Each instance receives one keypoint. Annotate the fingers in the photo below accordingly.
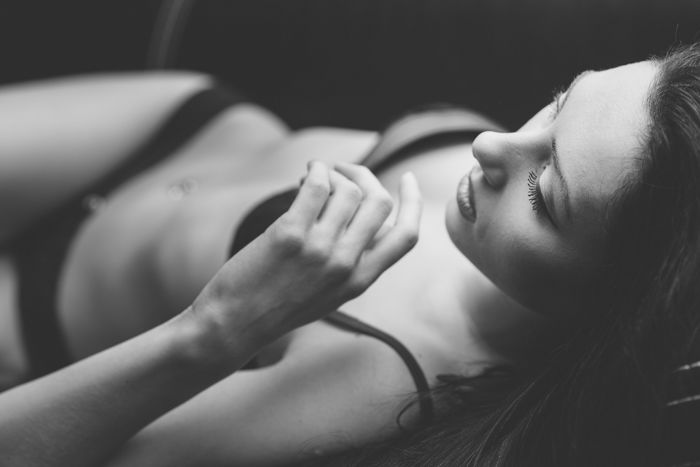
(346, 210)
(371, 214)
(344, 200)
(312, 195)
(328, 199)
(399, 240)
(411, 204)
(383, 230)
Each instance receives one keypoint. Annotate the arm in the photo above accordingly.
(326, 249)
(332, 390)
(79, 415)
(58, 136)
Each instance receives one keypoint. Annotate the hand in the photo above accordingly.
(329, 247)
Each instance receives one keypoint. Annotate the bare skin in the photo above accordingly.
(450, 315)
(228, 186)
(323, 251)
(406, 301)
(146, 255)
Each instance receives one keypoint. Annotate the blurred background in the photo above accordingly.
(350, 63)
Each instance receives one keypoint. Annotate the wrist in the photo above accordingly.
(210, 345)
(197, 345)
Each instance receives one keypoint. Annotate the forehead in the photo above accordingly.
(600, 134)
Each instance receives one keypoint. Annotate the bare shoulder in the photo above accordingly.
(333, 390)
(371, 369)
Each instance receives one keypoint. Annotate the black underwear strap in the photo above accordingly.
(348, 323)
(190, 117)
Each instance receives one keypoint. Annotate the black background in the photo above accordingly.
(355, 63)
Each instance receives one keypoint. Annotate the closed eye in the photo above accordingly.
(534, 195)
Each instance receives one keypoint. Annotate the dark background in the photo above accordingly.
(355, 63)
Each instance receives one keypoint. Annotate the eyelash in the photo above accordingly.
(533, 192)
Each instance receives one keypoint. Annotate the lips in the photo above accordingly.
(465, 198)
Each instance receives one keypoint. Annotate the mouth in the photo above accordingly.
(465, 197)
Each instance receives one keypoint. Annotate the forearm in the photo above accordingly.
(80, 415)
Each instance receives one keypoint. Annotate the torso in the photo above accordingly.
(145, 255)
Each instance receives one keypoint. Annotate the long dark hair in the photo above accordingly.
(597, 398)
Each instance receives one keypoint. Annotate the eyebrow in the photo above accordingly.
(556, 166)
(556, 162)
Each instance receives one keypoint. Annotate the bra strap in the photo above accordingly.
(348, 323)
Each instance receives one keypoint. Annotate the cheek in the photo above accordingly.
(524, 259)
(534, 272)
(542, 273)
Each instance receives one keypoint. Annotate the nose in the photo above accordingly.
(504, 155)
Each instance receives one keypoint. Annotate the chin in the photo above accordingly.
(462, 233)
(460, 230)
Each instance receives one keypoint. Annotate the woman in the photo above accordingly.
(532, 218)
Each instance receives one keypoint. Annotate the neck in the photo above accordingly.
(497, 323)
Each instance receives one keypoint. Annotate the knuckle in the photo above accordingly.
(317, 252)
(288, 235)
(357, 286)
(317, 188)
(349, 190)
(355, 193)
(341, 266)
(384, 203)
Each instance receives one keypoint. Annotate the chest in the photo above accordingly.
(418, 280)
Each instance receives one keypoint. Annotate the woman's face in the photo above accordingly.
(531, 215)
